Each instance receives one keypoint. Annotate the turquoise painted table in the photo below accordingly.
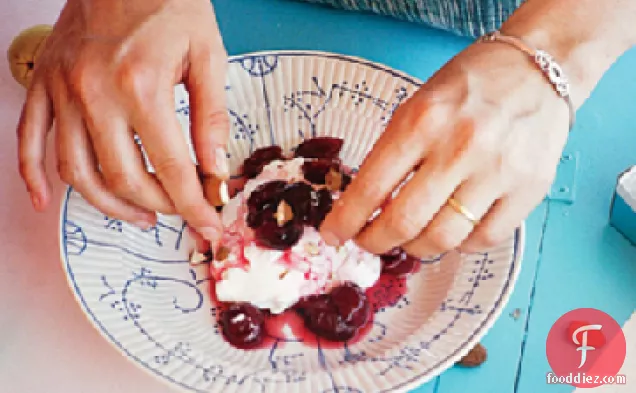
(573, 258)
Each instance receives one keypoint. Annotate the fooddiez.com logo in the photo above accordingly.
(586, 348)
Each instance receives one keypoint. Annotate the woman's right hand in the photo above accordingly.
(108, 68)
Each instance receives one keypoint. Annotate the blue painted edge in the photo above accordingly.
(564, 186)
(623, 219)
(480, 331)
(533, 291)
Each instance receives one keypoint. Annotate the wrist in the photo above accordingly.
(584, 37)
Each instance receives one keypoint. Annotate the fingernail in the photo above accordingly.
(221, 163)
(36, 201)
(143, 223)
(210, 233)
(331, 239)
(224, 193)
(217, 191)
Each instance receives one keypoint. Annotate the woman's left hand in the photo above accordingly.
(487, 130)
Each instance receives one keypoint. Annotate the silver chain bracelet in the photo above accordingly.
(546, 63)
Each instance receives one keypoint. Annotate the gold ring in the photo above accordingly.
(461, 209)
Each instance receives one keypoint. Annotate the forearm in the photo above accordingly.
(585, 36)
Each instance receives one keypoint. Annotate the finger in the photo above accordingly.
(210, 121)
(450, 227)
(422, 197)
(78, 167)
(405, 216)
(159, 129)
(200, 244)
(217, 191)
(395, 154)
(35, 123)
(122, 164)
(503, 219)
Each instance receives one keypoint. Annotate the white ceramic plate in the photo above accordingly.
(139, 291)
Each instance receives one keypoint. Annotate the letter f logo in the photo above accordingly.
(583, 344)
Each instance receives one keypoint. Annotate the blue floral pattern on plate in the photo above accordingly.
(141, 293)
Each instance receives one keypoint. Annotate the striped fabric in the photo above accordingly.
(471, 18)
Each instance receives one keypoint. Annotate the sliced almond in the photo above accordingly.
(283, 274)
(312, 249)
(283, 213)
(197, 258)
(217, 191)
(221, 254)
(333, 180)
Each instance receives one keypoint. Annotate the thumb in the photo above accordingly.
(210, 125)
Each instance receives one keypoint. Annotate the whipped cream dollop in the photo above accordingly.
(275, 280)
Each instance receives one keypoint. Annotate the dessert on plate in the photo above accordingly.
(272, 259)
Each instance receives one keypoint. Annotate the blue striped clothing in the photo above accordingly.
(471, 18)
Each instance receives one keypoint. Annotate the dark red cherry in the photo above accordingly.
(269, 234)
(316, 171)
(254, 164)
(352, 304)
(346, 180)
(320, 147)
(336, 316)
(243, 325)
(398, 263)
(321, 203)
(269, 193)
(315, 302)
(322, 317)
(257, 218)
(298, 196)
(391, 255)
(263, 202)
